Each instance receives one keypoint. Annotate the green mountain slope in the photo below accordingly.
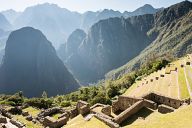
(172, 34)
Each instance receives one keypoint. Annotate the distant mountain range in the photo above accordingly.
(4, 23)
(31, 65)
(113, 42)
(58, 23)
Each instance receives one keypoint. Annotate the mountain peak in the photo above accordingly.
(32, 65)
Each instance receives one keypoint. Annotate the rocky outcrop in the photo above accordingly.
(31, 65)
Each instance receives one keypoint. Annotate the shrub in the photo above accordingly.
(65, 103)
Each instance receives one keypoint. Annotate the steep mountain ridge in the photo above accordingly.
(172, 34)
(31, 65)
(106, 44)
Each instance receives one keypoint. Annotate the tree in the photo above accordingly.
(44, 95)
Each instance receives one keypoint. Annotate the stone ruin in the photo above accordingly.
(83, 107)
(5, 115)
(106, 109)
(160, 99)
(45, 118)
(123, 102)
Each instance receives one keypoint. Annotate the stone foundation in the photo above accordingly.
(123, 103)
(52, 123)
(165, 109)
(160, 99)
(129, 112)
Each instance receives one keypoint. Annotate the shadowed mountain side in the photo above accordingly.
(31, 65)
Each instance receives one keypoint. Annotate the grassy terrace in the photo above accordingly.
(181, 118)
(171, 85)
(189, 75)
(29, 124)
(182, 83)
(32, 111)
(79, 122)
(174, 87)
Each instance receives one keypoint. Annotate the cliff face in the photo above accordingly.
(109, 44)
(171, 35)
(31, 65)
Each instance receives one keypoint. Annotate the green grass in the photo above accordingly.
(32, 111)
(55, 116)
(29, 124)
(182, 84)
(189, 75)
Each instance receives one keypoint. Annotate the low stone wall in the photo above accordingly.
(107, 120)
(73, 113)
(52, 123)
(123, 103)
(5, 113)
(150, 104)
(129, 112)
(160, 99)
(50, 111)
(16, 123)
(165, 109)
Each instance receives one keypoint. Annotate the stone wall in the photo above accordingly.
(83, 107)
(165, 109)
(50, 111)
(106, 110)
(16, 123)
(129, 112)
(150, 104)
(73, 113)
(52, 123)
(123, 102)
(160, 99)
(107, 120)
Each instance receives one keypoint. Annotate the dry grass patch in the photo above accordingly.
(181, 118)
(79, 122)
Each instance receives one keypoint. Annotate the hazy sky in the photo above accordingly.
(84, 5)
